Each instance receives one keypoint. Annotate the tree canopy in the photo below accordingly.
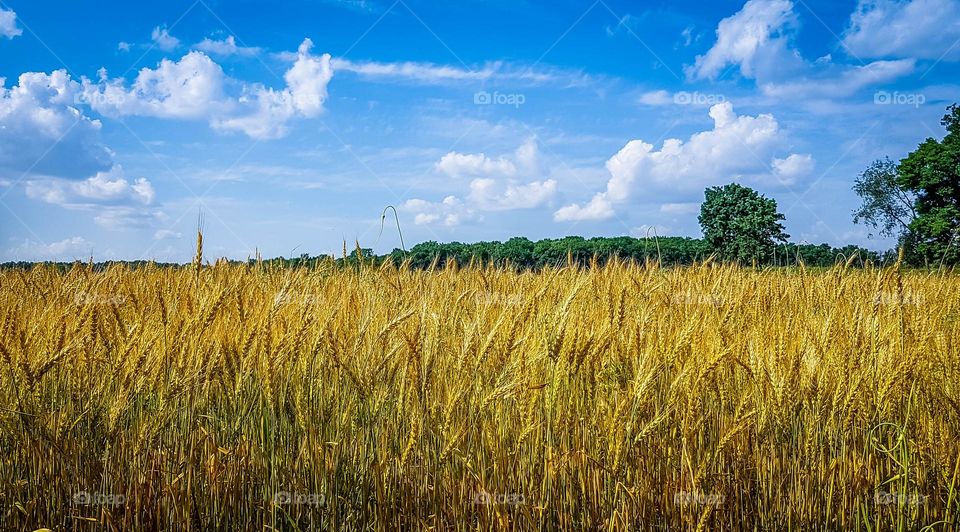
(932, 172)
(918, 199)
(741, 225)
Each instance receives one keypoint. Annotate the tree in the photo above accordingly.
(739, 224)
(887, 207)
(932, 172)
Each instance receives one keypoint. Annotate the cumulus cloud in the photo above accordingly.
(456, 164)
(793, 167)
(757, 41)
(163, 40)
(115, 201)
(189, 88)
(104, 188)
(598, 208)
(42, 133)
(8, 24)
(226, 47)
(494, 186)
(525, 159)
(194, 87)
(922, 29)
(737, 148)
(450, 212)
(56, 152)
(267, 111)
(752, 39)
(492, 195)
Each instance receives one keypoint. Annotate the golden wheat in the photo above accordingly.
(616, 397)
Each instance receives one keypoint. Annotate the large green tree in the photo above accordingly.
(741, 225)
(932, 173)
(887, 207)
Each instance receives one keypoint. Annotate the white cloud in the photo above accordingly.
(737, 148)
(116, 202)
(450, 212)
(425, 72)
(307, 80)
(751, 39)
(123, 46)
(268, 110)
(494, 187)
(41, 133)
(437, 74)
(8, 24)
(189, 88)
(56, 151)
(226, 47)
(195, 87)
(845, 82)
(121, 217)
(650, 230)
(163, 40)
(688, 35)
(757, 40)
(104, 188)
(167, 234)
(598, 208)
(524, 160)
(793, 167)
(67, 249)
(491, 195)
(680, 208)
(456, 164)
(659, 97)
(922, 29)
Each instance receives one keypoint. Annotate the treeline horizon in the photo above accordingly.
(523, 253)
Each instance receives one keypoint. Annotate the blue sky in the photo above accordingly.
(291, 126)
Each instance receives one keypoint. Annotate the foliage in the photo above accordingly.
(522, 253)
(886, 206)
(741, 225)
(932, 172)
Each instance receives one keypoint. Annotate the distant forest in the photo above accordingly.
(523, 253)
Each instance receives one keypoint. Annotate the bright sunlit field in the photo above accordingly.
(614, 397)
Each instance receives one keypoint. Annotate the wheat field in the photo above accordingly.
(611, 397)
